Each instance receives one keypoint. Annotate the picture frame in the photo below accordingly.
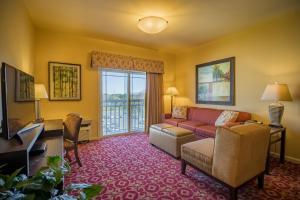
(24, 87)
(215, 82)
(64, 81)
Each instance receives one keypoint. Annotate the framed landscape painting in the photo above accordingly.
(64, 81)
(215, 82)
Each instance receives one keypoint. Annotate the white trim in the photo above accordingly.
(99, 133)
(288, 158)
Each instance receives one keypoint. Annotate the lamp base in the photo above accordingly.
(40, 120)
(275, 126)
(275, 114)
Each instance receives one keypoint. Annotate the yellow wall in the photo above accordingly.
(264, 54)
(51, 46)
(16, 35)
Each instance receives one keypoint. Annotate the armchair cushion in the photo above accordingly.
(199, 153)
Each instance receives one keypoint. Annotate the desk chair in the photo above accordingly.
(71, 132)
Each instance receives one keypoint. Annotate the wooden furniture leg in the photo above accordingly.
(282, 147)
(260, 179)
(267, 168)
(233, 193)
(68, 156)
(76, 155)
(183, 166)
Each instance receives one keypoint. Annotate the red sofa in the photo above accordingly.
(202, 120)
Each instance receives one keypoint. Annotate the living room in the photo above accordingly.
(261, 37)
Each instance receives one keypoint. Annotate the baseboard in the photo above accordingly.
(95, 138)
(116, 135)
(288, 158)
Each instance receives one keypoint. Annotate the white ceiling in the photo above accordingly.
(191, 22)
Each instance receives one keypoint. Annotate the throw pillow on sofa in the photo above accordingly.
(226, 116)
(179, 112)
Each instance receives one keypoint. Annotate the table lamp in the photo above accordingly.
(276, 92)
(172, 91)
(40, 93)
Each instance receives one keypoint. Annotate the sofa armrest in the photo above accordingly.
(166, 116)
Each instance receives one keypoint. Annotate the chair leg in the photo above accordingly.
(260, 179)
(68, 156)
(183, 166)
(76, 155)
(233, 193)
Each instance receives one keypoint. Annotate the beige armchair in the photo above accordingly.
(234, 157)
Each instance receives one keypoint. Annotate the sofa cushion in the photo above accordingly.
(179, 112)
(209, 131)
(177, 131)
(173, 121)
(199, 153)
(243, 116)
(205, 115)
(226, 116)
(191, 125)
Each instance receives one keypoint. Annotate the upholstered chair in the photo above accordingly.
(234, 157)
(71, 133)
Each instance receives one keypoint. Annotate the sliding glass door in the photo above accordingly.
(122, 101)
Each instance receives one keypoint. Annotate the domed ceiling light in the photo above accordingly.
(152, 24)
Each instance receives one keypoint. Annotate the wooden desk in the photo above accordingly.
(281, 139)
(53, 127)
(16, 155)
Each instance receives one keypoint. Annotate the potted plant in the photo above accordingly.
(45, 184)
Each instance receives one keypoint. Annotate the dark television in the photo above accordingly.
(17, 90)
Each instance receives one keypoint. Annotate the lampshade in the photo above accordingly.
(276, 92)
(152, 24)
(40, 91)
(172, 91)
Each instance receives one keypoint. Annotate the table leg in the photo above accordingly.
(282, 146)
(267, 168)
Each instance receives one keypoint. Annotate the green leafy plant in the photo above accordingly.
(44, 184)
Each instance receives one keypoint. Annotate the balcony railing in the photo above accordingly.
(115, 116)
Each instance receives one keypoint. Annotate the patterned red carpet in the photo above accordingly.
(129, 168)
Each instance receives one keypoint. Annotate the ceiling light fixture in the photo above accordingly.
(152, 24)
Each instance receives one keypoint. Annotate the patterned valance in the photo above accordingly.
(114, 61)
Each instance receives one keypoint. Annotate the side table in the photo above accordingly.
(281, 139)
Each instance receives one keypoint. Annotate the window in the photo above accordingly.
(122, 101)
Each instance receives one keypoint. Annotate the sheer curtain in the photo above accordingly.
(154, 92)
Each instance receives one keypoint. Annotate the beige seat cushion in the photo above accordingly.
(177, 131)
(199, 153)
(161, 126)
